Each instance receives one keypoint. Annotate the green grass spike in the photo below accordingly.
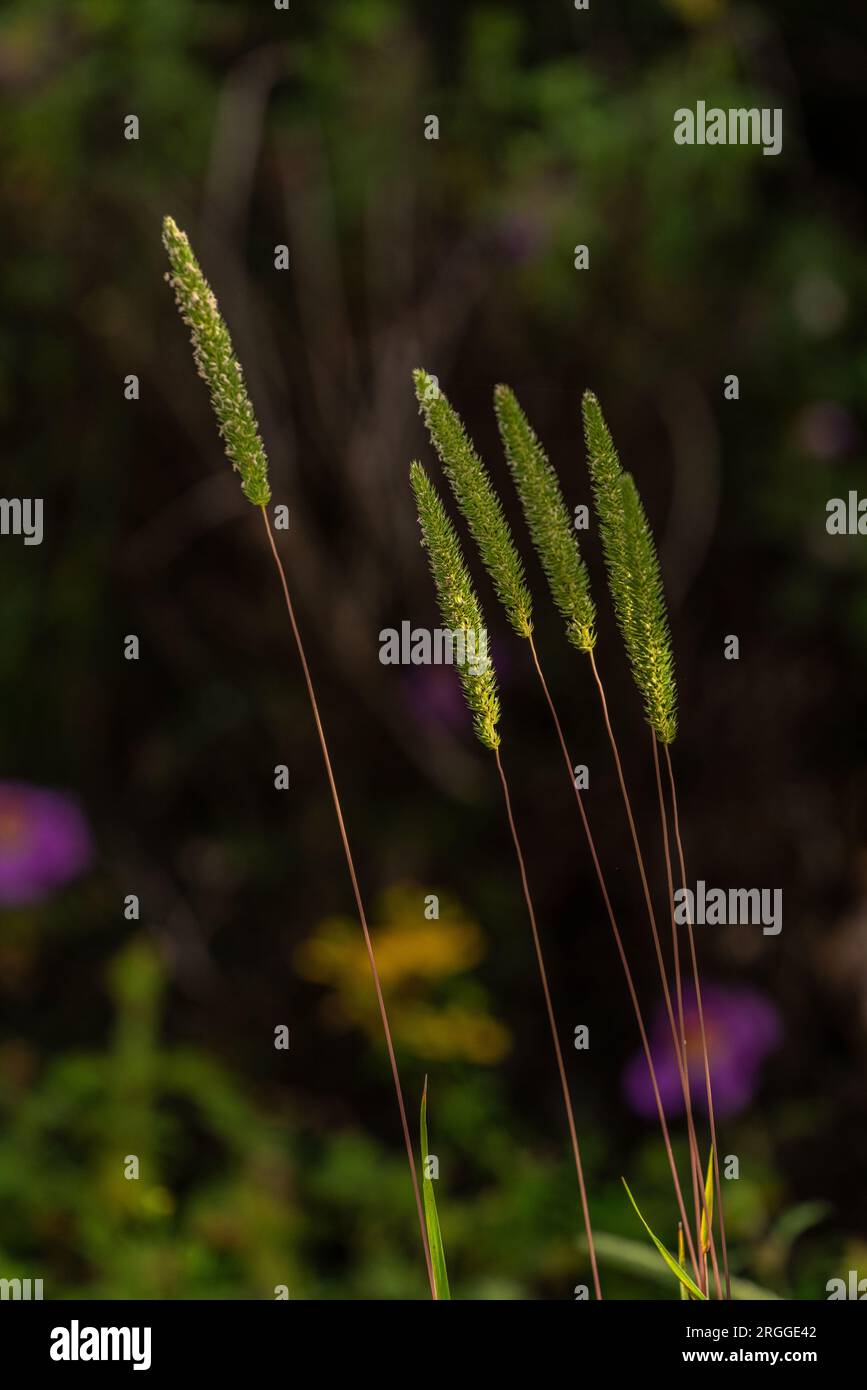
(605, 476)
(459, 607)
(218, 366)
(478, 502)
(645, 618)
(548, 521)
(605, 469)
(634, 576)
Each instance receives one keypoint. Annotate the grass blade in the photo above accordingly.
(672, 1263)
(434, 1234)
(638, 1259)
(707, 1211)
(681, 1260)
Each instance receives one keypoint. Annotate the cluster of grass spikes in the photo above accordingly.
(639, 605)
(638, 598)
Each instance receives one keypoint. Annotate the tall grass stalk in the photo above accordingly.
(677, 1033)
(462, 615)
(219, 367)
(553, 536)
(635, 581)
(663, 818)
(567, 577)
(624, 961)
(700, 1009)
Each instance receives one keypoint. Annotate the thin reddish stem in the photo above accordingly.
(621, 951)
(552, 1021)
(695, 1161)
(362, 917)
(700, 1008)
(679, 992)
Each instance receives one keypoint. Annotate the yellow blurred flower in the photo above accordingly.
(413, 955)
(697, 11)
(453, 1031)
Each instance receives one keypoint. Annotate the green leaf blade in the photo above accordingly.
(707, 1210)
(677, 1270)
(434, 1234)
(638, 1259)
(681, 1260)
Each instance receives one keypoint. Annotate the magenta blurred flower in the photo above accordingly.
(44, 842)
(434, 694)
(519, 236)
(742, 1027)
(826, 430)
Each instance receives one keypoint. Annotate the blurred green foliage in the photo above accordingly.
(237, 1197)
(703, 262)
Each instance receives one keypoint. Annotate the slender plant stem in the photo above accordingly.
(679, 992)
(698, 999)
(543, 975)
(695, 1161)
(362, 917)
(621, 951)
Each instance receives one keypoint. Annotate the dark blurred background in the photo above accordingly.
(155, 1037)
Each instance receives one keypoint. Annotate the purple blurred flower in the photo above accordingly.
(826, 430)
(741, 1025)
(519, 236)
(44, 842)
(435, 695)
(820, 303)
